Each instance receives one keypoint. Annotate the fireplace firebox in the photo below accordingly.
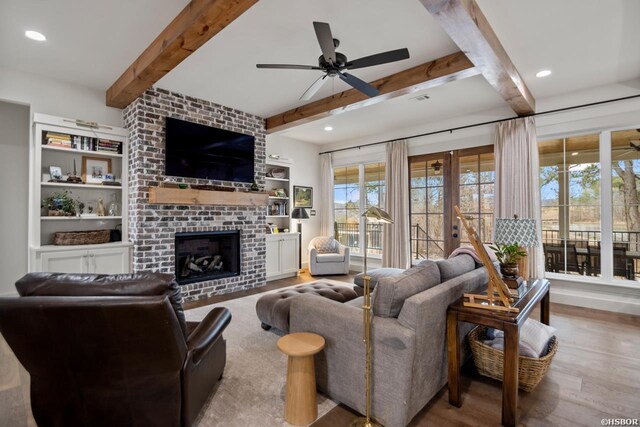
(208, 255)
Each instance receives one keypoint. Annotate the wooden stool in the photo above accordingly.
(300, 406)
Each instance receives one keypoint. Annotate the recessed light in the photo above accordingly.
(575, 153)
(328, 128)
(543, 73)
(34, 35)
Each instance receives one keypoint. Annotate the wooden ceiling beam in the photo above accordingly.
(435, 73)
(469, 29)
(196, 24)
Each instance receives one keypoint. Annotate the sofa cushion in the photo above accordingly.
(454, 267)
(391, 292)
(376, 274)
(330, 257)
(138, 284)
(326, 245)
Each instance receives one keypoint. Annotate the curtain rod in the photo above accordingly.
(450, 130)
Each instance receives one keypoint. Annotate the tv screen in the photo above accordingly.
(198, 151)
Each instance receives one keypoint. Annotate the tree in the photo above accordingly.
(629, 188)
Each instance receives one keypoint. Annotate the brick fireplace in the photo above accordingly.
(153, 228)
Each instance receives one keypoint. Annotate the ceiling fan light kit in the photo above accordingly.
(334, 63)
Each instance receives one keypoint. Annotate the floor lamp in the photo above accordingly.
(299, 213)
(376, 216)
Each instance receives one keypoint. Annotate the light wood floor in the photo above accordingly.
(595, 375)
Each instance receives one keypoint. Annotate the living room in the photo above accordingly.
(398, 111)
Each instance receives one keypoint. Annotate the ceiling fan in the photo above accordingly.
(334, 63)
(634, 146)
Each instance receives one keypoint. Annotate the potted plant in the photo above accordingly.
(60, 204)
(509, 255)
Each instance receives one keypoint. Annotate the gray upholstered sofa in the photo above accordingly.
(409, 343)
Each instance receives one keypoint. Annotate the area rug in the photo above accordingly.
(251, 392)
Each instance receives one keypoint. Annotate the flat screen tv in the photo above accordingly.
(198, 151)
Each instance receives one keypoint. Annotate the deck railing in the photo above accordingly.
(348, 234)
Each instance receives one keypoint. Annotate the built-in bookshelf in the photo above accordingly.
(88, 163)
(278, 186)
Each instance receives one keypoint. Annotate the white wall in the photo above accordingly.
(57, 98)
(305, 171)
(14, 188)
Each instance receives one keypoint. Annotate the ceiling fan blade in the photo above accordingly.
(360, 85)
(379, 58)
(289, 66)
(325, 39)
(308, 94)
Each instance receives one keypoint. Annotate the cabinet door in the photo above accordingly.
(109, 261)
(289, 255)
(64, 262)
(273, 257)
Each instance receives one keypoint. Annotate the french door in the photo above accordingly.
(438, 182)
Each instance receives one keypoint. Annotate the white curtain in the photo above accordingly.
(517, 188)
(326, 195)
(395, 243)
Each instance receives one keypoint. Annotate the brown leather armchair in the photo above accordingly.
(112, 350)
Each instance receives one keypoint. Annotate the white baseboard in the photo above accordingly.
(596, 300)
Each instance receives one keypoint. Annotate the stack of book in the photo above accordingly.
(107, 146)
(58, 139)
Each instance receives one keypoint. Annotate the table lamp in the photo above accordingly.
(377, 216)
(299, 213)
(519, 231)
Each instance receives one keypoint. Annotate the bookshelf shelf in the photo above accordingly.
(88, 186)
(85, 152)
(79, 218)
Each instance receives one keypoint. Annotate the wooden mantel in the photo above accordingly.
(190, 196)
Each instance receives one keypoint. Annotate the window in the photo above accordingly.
(357, 188)
(437, 183)
(570, 202)
(591, 204)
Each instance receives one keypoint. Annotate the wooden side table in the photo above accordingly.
(300, 406)
(536, 291)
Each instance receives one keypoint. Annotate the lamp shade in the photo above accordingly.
(377, 215)
(514, 230)
(299, 213)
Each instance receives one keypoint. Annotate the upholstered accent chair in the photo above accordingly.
(328, 256)
(112, 350)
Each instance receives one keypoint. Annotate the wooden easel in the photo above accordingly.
(498, 296)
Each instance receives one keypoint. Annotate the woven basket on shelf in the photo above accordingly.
(67, 238)
(489, 361)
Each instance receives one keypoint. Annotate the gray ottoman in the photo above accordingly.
(375, 274)
(273, 309)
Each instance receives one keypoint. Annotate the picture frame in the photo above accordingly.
(55, 172)
(302, 196)
(95, 169)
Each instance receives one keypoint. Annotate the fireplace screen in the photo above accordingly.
(207, 255)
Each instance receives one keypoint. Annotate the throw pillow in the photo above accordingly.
(326, 245)
(390, 293)
(456, 266)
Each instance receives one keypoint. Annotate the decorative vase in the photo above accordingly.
(114, 206)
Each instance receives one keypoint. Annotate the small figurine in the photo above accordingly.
(100, 209)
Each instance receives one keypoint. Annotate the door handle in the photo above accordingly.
(454, 235)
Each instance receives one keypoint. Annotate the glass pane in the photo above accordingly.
(353, 196)
(464, 237)
(418, 174)
(469, 170)
(419, 224)
(374, 173)
(418, 249)
(435, 173)
(486, 198)
(487, 167)
(469, 198)
(485, 229)
(435, 226)
(339, 197)
(435, 200)
(550, 224)
(435, 249)
(549, 186)
(418, 200)
(374, 198)
(625, 174)
(374, 236)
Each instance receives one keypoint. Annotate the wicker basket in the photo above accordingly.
(489, 361)
(66, 238)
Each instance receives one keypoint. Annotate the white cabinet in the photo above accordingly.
(110, 260)
(282, 255)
